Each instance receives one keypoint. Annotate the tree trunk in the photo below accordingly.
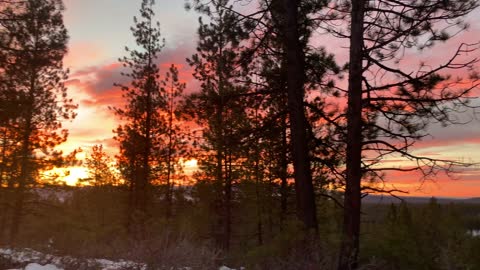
(3, 217)
(144, 191)
(4, 191)
(3, 165)
(352, 199)
(258, 200)
(228, 202)
(17, 212)
(306, 209)
(283, 175)
(131, 205)
(169, 192)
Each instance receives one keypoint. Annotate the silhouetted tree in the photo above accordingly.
(266, 64)
(8, 97)
(320, 145)
(264, 61)
(295, 77)
(99, 167)
(35, 75)
(175, 143)
(217, 107)
(139, 138)
(390, 104)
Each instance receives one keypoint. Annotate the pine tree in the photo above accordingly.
(271, 50)
(295, 81)
(218, 109)
(387, 114)
(98, 163)
(175, 144)
(35, 75)
(265, 67)
(148, 138)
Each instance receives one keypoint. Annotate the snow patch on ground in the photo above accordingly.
(474, 233)
(225, 268)
(36, 266)
(34, 260)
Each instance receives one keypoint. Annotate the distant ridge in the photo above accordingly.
(62, 192)
(386, 199)
(473, 200)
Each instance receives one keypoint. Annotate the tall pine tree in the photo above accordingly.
(37, 41)
(391, 105)
(218, 109)
(143, 122)
(175, 144)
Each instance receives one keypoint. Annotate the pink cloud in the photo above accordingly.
(93, 88)
(98, 81)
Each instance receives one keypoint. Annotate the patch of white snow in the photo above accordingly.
(474, 233)
(225, 268)
(36, 266)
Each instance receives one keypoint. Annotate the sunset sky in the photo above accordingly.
(99, 32)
